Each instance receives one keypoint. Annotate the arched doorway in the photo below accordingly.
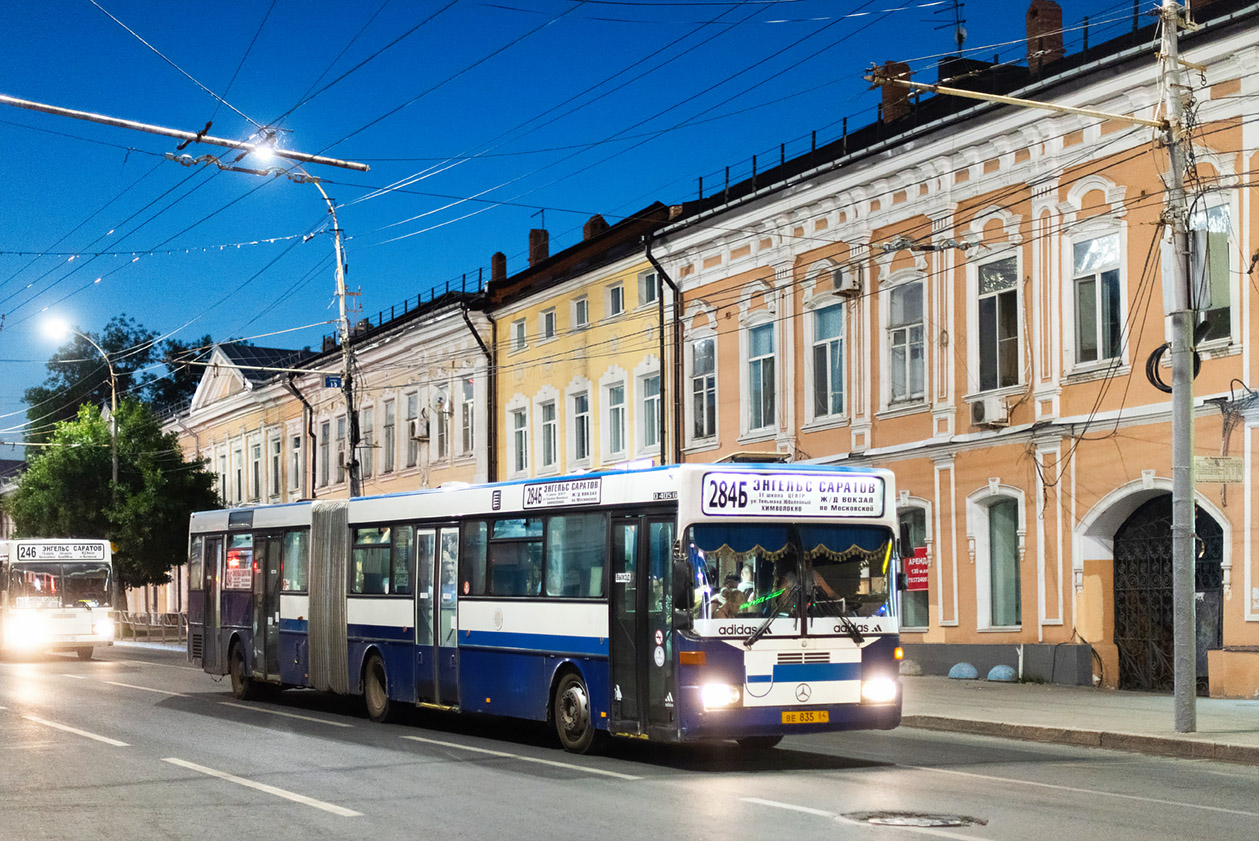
(1143, 595)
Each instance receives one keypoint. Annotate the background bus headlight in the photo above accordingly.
(103, 628)
(878, 690)
(719, 695)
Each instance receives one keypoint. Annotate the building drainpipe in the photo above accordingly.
(308, 414)
(491, 396)
(662, 277)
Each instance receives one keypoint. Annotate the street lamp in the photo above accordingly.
(59, 330)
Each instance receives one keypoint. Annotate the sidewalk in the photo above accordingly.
(1078, 715)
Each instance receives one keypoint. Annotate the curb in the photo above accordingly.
(1133, 742)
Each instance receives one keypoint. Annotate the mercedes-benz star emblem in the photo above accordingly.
(803, 692)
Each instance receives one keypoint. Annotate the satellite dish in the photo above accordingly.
(440, 402)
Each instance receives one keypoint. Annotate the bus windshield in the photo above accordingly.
(59, 585)
(770, 569)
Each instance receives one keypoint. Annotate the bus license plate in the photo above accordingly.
(806, 717)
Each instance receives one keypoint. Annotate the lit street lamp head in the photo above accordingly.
(57, 329)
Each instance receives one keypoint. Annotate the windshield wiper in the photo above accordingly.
(764, 626)
(850, 627)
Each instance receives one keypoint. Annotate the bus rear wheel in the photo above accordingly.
(243, 686)
(573, 720)
(85, 653)
(759, 742)
(376, 689)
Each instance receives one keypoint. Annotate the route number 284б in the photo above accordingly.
(728, 494)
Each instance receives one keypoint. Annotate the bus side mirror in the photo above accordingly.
(682, 620)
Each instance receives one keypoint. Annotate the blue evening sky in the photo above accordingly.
(476, 114)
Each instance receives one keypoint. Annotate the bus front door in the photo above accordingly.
(266, 607)
(436, 617)
(212, 570)
(641, 641)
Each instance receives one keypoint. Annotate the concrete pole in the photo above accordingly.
(1184, 629)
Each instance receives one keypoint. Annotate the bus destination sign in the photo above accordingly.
(556, 494)
(61, 551)
(791, 495)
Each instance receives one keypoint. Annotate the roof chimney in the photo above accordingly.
(1044, 35)
(498, 267)
(539, 245)
(594, 227)
(895, 98)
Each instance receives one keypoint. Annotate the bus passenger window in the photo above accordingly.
(401, 560)
(370, 561)
(576, 545)
(194, 563)
(473, 569)
(294, 562)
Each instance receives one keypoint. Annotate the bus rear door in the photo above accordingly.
(641, 641)
(436, 616)
(212, 570)
(268, 552)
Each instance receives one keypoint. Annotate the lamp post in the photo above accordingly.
(59, 330)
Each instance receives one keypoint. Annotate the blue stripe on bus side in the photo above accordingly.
(381, 632)
(299, 625)
(535, 642)
(810, 671)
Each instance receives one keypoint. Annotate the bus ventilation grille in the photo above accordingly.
(195, 642)
(804, 657)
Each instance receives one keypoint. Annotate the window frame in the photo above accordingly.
(763, 418)
(548, 429)
(546, 325)
(581, 312)
(615, 300)
(518, 427)
(834, 347)
(896, 330)
(616, 414)
(1101, 277)
(581, 427)
(519, 335)
(389, 433)
(1015, 295)
(709, 391)
(648, 288)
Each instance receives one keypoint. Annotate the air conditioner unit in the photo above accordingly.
(845, 283)
(417, 430)
(989, 412)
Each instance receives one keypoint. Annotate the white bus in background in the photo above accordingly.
(54, 596)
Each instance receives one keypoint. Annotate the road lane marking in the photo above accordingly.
(76, 731)
(76, 677)
(569, 765)
(286, 715)
(145, 689)
(822, 813)
(263, 787)
(1089, 791)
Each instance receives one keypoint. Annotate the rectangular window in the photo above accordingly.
(761, 376)
(581, 313)
(295, 561)
(390, 434)
(1003, 552)
(441, 416)
(343, 455)
(703, 388)
(240, 560)
(472, 557)
(1209, 272)
(651, 411)
(467, 417)
(581, 426)
(520, 439)
(546, 324)
(325, 445)
(515, 557)
(616, 300)
(998, 324)
(277, 462)
(255, 471)
(550, 430)
(367, 433)
(518, 334)
(295, 462)
(223, 477)
(828, 361)
(413, 429)
(914, 603)
(576, 549)
(648, 287)
(616, 419)
(905, 343)
(238, 473)
(1098, 326)
(380, 564)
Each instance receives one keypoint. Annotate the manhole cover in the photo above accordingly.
(914, 819)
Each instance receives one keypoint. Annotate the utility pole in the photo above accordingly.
(1181, 313)
(1180, 310)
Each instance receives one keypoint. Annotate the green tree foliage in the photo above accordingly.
(66, 491)
(170, 393)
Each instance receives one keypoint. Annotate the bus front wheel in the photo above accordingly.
(242, 684)
(573, 720)
(376, 689)
(85, 653)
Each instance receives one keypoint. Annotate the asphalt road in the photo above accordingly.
(138, 745)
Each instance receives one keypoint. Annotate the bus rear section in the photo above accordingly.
(56, 596)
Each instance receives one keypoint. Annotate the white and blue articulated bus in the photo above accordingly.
(676, 604)
(54, 595)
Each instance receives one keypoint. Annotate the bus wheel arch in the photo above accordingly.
(243, 686)
(572, 711)
(374, 682)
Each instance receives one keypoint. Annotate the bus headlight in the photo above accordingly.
(879, 690)
(25, 631)
(717, 696)
(103, 628)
